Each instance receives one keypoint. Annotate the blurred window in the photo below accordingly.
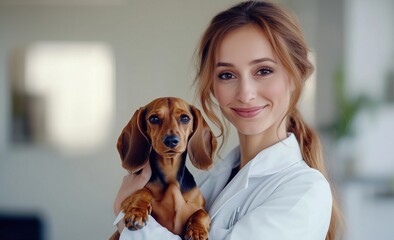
(62, 94)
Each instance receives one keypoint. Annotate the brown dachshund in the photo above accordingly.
(163, 132)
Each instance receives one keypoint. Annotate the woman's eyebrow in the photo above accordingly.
(259, 60)
(224, 64)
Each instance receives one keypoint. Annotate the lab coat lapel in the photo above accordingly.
(237, 185)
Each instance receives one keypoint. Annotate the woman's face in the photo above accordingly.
(251, 85)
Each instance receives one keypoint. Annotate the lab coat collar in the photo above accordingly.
(269, 161)
(276, 158)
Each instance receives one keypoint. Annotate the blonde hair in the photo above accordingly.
(287, 41)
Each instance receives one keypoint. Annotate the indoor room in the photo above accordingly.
(72, 73)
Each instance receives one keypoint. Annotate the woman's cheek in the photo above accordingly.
(220, 93)
(224, 93)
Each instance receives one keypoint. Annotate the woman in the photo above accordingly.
(253, 64)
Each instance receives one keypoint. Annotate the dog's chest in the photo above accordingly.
(171, 209)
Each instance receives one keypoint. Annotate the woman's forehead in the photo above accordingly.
(247, 42)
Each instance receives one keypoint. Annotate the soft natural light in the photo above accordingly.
(75, 81)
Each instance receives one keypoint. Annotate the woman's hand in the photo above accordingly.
(131, 183)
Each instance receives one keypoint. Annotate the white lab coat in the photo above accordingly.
(275, 196)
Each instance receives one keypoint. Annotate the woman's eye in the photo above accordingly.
(184, 118)
(226, 76)
(154, 119)
(264, 71)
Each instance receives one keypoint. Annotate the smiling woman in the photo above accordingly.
(64, 98)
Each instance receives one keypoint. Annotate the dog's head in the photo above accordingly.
(169, 126)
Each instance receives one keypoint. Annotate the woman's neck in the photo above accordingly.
(251, 145)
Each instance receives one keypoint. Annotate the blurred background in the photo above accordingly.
(72, 72)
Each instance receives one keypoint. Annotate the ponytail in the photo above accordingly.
(312, 153)
(309, 141)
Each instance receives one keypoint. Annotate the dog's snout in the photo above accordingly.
(171, 141)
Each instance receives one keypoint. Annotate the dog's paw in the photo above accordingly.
(136, 218)
(137, 208)
(196, 231)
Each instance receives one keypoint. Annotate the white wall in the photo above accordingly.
(369, 48)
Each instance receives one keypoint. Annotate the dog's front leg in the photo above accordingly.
(137, 207)
(198, 225)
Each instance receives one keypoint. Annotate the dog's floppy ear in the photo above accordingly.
(202, 143)
(133, 145)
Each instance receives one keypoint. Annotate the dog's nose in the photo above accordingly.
(171, 141)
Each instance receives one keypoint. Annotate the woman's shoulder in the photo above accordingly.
(305, 180)
(301, 172)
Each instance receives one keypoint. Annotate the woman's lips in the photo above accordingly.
(248, 112)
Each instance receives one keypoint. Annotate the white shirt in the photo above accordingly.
(275, 196)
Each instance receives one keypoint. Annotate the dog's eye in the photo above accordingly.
(154, 119)
(184, 118)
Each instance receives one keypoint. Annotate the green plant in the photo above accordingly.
(347, 108)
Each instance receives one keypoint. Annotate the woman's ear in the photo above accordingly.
(133, 146)
(202, 144)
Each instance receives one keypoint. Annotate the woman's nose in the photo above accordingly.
(246, 90)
